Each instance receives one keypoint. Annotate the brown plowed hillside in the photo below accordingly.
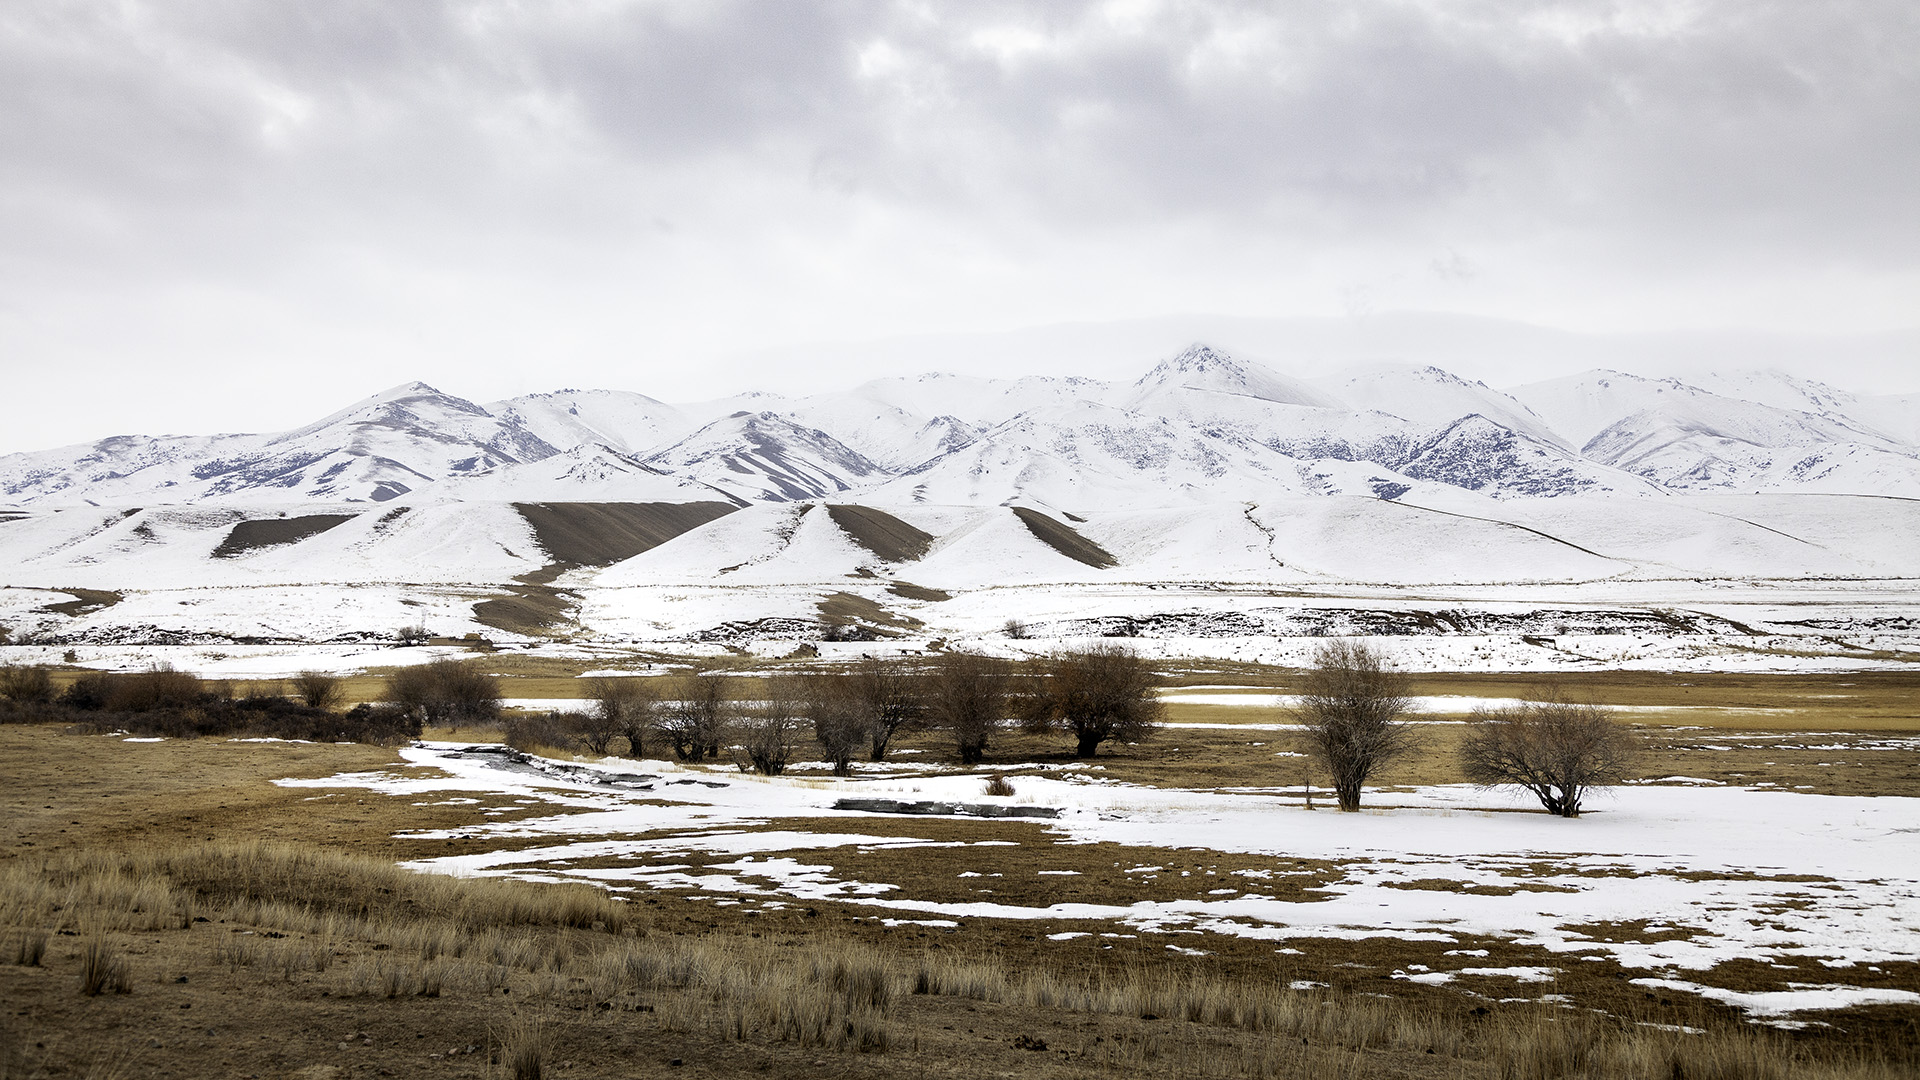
(1062, 538)
(272, 532)
(881, 533)
(600, 534)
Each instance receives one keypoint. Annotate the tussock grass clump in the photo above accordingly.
(103, 970)
(29, 948)
(523, 1050)
(236, 952)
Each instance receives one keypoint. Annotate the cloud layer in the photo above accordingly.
(601, 190)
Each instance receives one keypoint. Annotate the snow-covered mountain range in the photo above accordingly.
(1200, 427)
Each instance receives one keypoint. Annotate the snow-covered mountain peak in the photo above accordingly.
(1204, 368)
(413, 407)
(1198, 357)
(1435, 397)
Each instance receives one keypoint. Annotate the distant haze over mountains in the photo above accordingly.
(1201, 426)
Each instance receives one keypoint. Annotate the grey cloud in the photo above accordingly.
(1370, 111)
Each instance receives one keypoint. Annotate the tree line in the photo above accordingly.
(1353, 714)
(1091, 696)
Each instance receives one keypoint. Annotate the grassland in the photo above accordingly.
(317, 958)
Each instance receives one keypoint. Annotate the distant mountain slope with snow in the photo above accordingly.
(1686, 438)
(765, 457)
(391, 444)
(1201, 426)
(1089, 455)
(587, 473)
(626, 422)
(1434, 398)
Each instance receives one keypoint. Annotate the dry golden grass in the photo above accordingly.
(311, 932)
(536, 992)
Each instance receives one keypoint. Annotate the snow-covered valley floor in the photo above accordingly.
(1667, 885)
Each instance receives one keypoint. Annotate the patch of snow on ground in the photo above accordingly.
(1837, 878)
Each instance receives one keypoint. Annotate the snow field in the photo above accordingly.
(1739, 873)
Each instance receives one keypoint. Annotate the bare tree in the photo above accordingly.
(1098, 694)
(967, 696)
(446, 692)
(769, 730)
(625, 706)
(593, 731)
(319, 690)
(1556, 749)
(1352, 706)
(840, 723)
(889, 697)
(697, 722)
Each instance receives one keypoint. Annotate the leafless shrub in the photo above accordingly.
(319, 690)
(1352, 706)
(26, 684)
(625, 707)
(967, 696)
(997, 785)
(412, 635)
(103, 971)
(446, 692)
(698, 722)
(158, 687)
(1098, 694)
(1558, 750)
(541, 733)
(90, 691)
(1015, 629)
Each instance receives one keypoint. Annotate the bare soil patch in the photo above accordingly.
(260, 533)
(84, 602)
(850, 608)
(880, 532)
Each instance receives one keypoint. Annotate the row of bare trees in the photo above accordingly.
(1096, 695)
(1354, 708)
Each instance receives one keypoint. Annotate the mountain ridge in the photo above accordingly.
(1199, 426)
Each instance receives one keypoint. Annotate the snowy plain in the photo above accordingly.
(1713, 874)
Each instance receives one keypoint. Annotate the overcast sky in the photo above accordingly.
(219, 215)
